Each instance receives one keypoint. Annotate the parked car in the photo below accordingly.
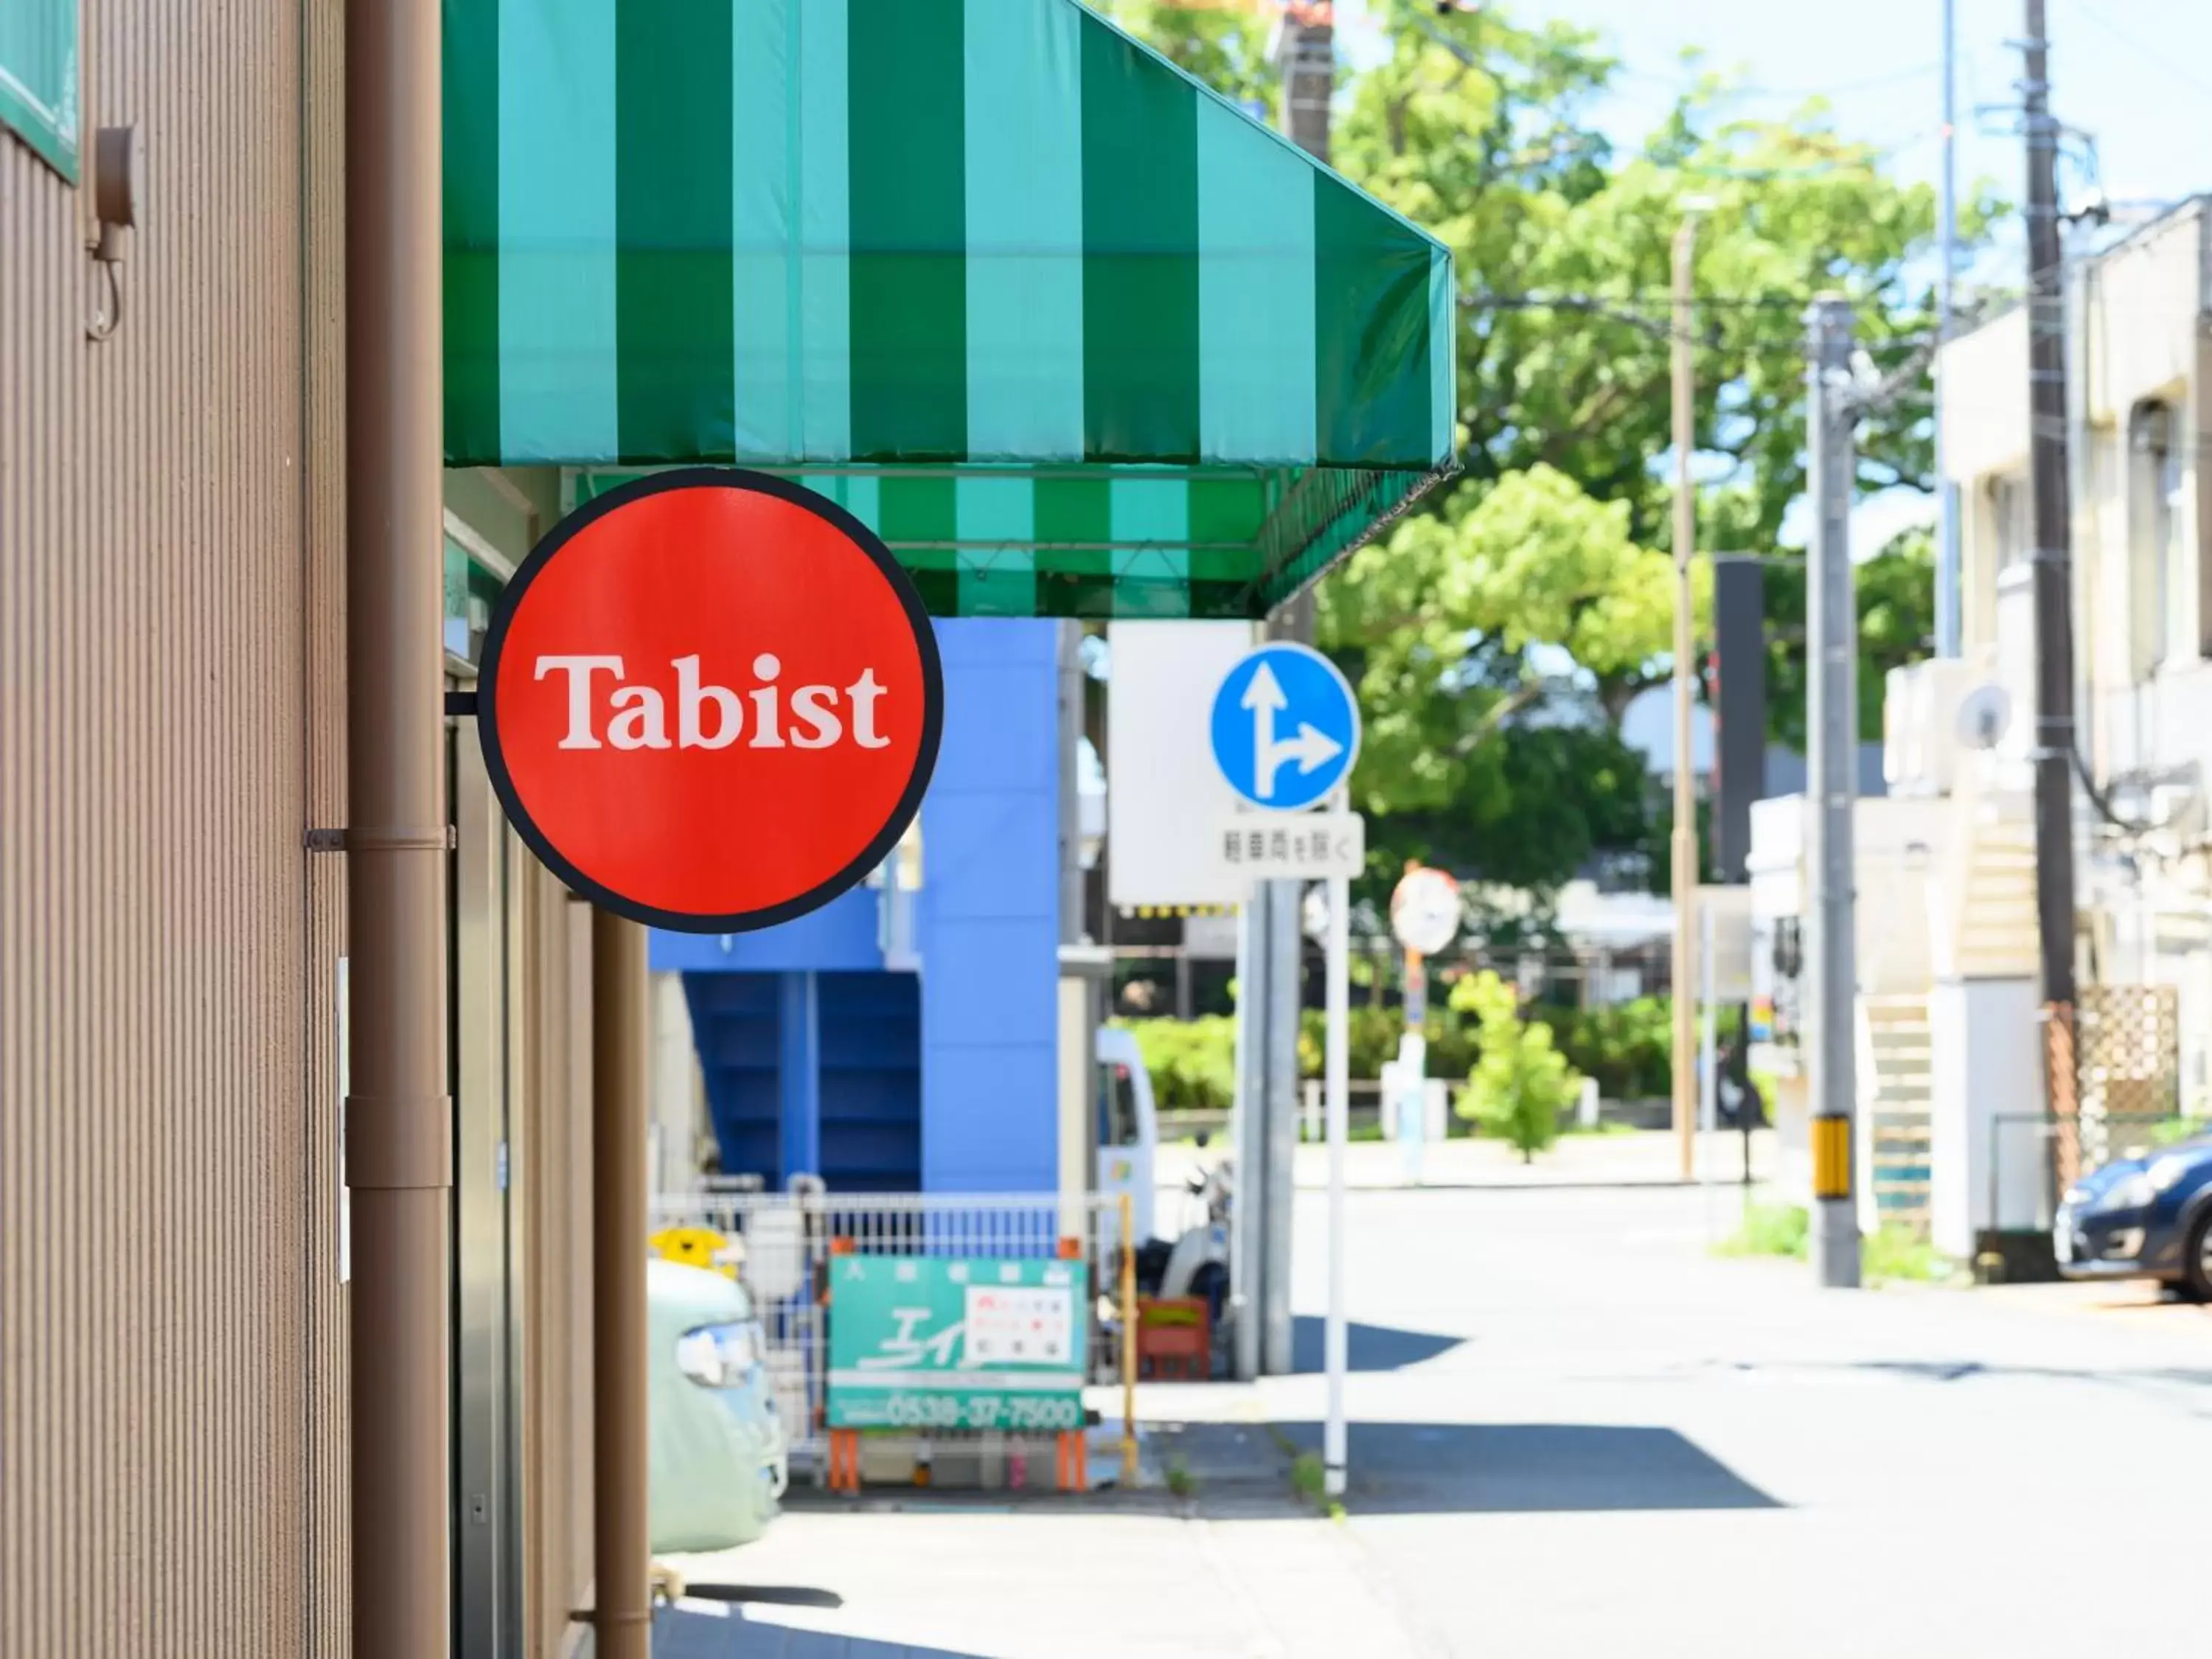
(2144, 1217)
(718, 1461)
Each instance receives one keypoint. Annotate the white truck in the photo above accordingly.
(1194, 1263)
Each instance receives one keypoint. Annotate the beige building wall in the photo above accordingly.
(173, 1419)
(2136, 343)
(2140, 371)
(555, 1177)
(501, 513)
(172, 1362)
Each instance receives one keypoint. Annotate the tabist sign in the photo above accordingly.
(710, 700)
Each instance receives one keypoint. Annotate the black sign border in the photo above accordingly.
(932, 694)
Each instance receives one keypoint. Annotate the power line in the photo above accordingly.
(2166, 60)
(1794, 304)
(1890, 77)
(1783, 308)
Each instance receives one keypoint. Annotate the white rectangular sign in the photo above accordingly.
(1728, 933)
(1272, 846)
(1019, 1325)
(1162, 789)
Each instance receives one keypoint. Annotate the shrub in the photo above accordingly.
(1628, 1047)
(1782, 1230)
(1193, 1062)
(1374, 1033)
(1521, 1083)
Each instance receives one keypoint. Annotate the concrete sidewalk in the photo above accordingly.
(1643, 1158)
(1240, 1568)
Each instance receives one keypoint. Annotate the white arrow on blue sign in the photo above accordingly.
(1285, 727)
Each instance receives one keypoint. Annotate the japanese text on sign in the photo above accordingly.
(1311, 844)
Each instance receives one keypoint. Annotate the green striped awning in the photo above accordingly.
(1078, 336)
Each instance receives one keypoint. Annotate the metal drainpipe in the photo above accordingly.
(400, 1115)
(622, 1545)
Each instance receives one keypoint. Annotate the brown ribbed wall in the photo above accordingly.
(172, 1450)
(329, 1624)
(556, 1176)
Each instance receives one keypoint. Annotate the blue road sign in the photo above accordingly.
(1285, 727)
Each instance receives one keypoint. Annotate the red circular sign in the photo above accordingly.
(710, 700)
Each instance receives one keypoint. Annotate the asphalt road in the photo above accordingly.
(1576, 1432)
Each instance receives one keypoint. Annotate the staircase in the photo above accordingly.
(1896, 1100)
(1983, 925)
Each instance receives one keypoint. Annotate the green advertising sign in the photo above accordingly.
(941, 1342)
(37, 77)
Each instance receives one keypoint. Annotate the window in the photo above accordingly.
(475, 574)
(2172, 566)
(2012, 511)
(1117, 1106)
(38, 78)
(2158, 573)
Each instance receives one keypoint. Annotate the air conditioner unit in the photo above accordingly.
(1920, 725)
(2177, 808)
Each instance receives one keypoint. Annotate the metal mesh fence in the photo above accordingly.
(782, 1245)
(2127, 1061)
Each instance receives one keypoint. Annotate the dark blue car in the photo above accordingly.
(2148, 1217)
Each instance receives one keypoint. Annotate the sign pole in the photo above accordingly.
(1709, 1088)
(1285, 732)
(1250, 1199)
(622, 1551)
(1412, 1070)
(1337, 1067)
(1128, 1341)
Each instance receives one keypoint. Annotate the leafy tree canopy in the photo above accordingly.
(1222, 45)
(1896, 625)
(1497, 635)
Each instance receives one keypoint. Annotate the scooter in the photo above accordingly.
(1195, 1265)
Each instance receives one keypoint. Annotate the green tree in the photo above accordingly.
(1558, 540)
(1897, 626)
(1542, 576)
(1521, 1083)
(1192, 1063)
(1226, 48)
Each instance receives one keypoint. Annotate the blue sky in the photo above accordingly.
(2137, 74)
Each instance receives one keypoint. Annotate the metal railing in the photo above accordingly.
(783, 1243)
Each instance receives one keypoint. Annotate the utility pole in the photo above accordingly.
(1832, 725)
(2053, 557)
(1685, 841)
(1949, 633)
(1306, 57)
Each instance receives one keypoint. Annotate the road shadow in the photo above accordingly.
(706, 1630)
(1367, 1347)
(1531, 1469)
(1968, 1371)
(766, 1595)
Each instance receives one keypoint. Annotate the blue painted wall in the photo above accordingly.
(988, 922)
(840, 936)
(816, 1058)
